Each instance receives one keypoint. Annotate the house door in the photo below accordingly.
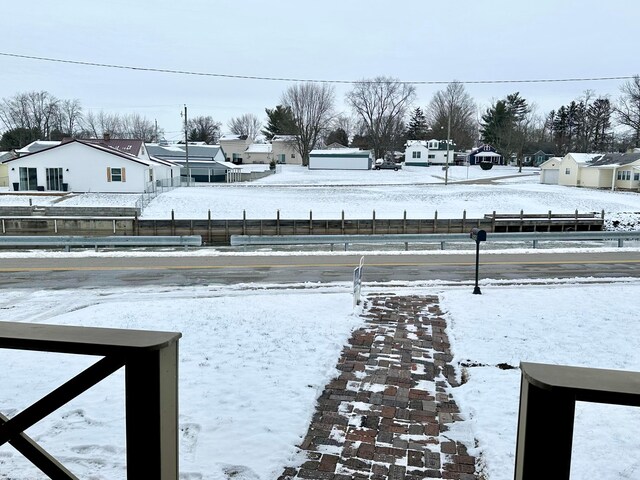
(28, 178)
(54, 179)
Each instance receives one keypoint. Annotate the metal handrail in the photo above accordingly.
(534, 237)
(68, 241)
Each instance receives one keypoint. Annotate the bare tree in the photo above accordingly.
(311, 105)
(247, 124)
(37, 111)
(382, 104)
(455, 104)
(95, 125)
(136, 126)
(70, 116)
(628, 108)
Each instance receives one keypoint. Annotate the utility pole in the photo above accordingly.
(186, 146)
(446, 168)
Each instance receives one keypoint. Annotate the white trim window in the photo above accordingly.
(416, 154)
(116, 174)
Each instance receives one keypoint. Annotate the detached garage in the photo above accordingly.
(340, 159)
(550, 171)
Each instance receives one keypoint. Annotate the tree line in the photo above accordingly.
(382, 117)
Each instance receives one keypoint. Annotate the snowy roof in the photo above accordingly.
(339, 151)
(126, 145)
(487, 154)
(584, 158)
(259, 148)
(615, 159)
(231, 136)
(178, 152)
(284, 138)
(37, 146)
(109, 150)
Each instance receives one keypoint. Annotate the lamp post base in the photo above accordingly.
(476, 291)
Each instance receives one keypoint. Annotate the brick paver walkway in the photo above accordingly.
(387, 413)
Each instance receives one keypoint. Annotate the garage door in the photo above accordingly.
(551, 176)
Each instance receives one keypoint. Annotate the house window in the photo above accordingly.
(116, 174)
(619, 175)
(28, 178)
(567, 171)
(432, 155)
(627, 174)
(150, 175)
(293, 155)
(282, 158)
(636, 176)
(416, 154)
(54, 178)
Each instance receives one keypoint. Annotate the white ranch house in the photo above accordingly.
(593, 170)
(81, 166)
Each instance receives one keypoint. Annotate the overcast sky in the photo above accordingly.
(423, 41)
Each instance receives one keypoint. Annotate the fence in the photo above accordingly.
(150, 359)
(219, 231)
(153, 189)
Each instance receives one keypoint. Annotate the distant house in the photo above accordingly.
(234, 147)
(258, 153)
(207, 163)
(535, 159)
(593, 170)
(340, 159)
(239, 149)
(36, 146)
(428, 152)
(83, 166)
(485, 153)
(4, 171)
(283, 149)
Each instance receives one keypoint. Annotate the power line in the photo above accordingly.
(283, 79)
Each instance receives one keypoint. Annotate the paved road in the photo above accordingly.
(233, 269)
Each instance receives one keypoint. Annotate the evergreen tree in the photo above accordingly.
(280, 121)
(19, 137)
(599, 114)
(337, 136)
(417, 129)
(505, 125)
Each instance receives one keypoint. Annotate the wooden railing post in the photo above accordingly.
(152, 415)
(150, 360)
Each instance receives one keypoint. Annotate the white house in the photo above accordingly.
(428, 152)
(593, 170)
(571, 165)
(340, 159)
(82, 166)
(550, 171)
(283, 150)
